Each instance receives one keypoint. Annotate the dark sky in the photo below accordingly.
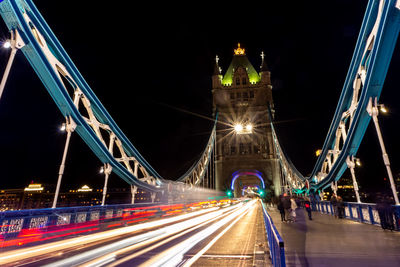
(144, 61)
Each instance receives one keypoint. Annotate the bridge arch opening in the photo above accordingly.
(237, 188)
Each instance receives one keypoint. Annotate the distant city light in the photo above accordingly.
(34, 187)
(249, 127)
(85, 188)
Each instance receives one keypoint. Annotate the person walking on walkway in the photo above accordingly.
(281, 208)
(333, 201)
(286, 206)
(385, 212)
(307, 207)
(340, 207)
(389, 212)
(293, 207)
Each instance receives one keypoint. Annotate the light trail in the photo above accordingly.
(173, 235)
(176, 235)
(23, 254)
(211, 243)
(152, 235)
(174, 255)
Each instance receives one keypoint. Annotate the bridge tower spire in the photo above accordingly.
(245, 155)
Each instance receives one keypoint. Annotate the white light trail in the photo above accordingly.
(35, 251)
(99, 252)
(172, 235)
(174, 255)
(212, 242)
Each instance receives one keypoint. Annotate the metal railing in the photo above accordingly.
(275, 241)
(360, 212)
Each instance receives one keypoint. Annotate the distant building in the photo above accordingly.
(11, 199)
(38, 196)
(346, 189)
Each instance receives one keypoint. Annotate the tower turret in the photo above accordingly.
(264, 71)
(217, 77)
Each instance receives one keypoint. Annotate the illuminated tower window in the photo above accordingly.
(245, 96)
(238, 81)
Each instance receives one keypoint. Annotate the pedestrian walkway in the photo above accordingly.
(327, 241)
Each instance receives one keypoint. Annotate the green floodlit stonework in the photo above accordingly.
(240, 61)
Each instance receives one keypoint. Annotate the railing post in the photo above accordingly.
(350, 211)
(360, 213)
(371, 215)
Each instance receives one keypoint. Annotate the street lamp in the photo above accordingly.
(249, 127)
(14, 43)
(240, 129)
(106, 169)
(383, 108)
(7, 44)
(68, 126)
(372, 109)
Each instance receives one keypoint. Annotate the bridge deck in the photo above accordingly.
(327, 241)
(243, 245)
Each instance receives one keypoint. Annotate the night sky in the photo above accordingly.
(148, 63)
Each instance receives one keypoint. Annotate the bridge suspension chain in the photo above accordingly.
(292, 177)
(364, 81)
(78, 103)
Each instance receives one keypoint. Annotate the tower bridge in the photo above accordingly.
(216, 212)
(241, 97)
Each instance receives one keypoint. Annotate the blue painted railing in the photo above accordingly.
(275, 241)
(360, 212)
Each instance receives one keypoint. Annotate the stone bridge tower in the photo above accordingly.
(245, 154)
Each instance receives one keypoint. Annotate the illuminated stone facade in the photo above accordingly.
(241, 97)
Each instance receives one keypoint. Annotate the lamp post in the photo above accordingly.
(69, 127)
(14, 43)
(351, 164)
(107, 171)
(133, 192)
(373, 111)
